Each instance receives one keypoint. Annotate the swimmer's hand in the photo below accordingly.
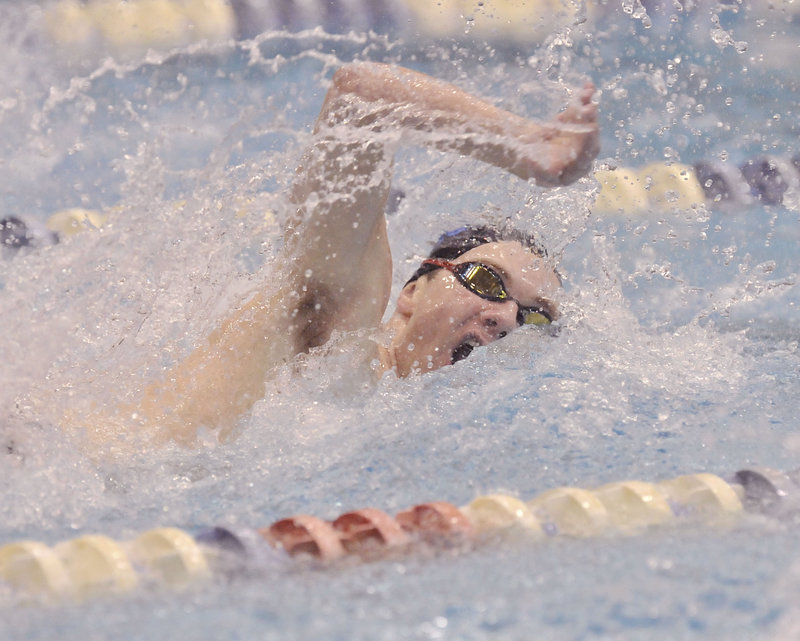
(563, 150)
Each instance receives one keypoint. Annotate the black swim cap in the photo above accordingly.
(452, 244)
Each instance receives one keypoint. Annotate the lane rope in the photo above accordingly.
(95, 565)
(659, 188)
(135, 25)
(768, 180)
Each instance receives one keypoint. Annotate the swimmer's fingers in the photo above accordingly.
(588, 112)
(582, 109)
(588, 101)
(587, 91)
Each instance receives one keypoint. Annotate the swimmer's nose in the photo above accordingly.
(499, 318)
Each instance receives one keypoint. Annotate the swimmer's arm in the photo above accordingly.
(556, 152)
(341, 265)
(221, 379)
(212, 387)
(337, 264)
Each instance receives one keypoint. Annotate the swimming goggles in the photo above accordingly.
(484, 281)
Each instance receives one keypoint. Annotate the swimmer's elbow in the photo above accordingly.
(367, 80)
(346, 79)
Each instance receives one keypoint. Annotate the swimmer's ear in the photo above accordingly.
(405, 301)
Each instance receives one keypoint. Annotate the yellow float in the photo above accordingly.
(634, 505)
(500, 511)
(171, 555)
(34, 568)
(573, 511)
(97, 565)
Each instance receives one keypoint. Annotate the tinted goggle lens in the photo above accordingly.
(532, 316)
(483, 281)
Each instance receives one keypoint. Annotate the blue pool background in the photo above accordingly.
(678, 352)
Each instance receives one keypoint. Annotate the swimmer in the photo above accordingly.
(479, 284)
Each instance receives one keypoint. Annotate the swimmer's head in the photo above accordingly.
(477, 285)
(453, 244)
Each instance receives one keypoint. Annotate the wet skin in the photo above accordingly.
(338, 265)
(436, 316)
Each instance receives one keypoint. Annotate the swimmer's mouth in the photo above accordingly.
(464, 349)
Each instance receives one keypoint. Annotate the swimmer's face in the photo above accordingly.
(438, 320)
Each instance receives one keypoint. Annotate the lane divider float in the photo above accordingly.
(84, 27)
(95, 565)
(658, 187)
(135, 25)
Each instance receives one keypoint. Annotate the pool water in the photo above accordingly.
(678, 351)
